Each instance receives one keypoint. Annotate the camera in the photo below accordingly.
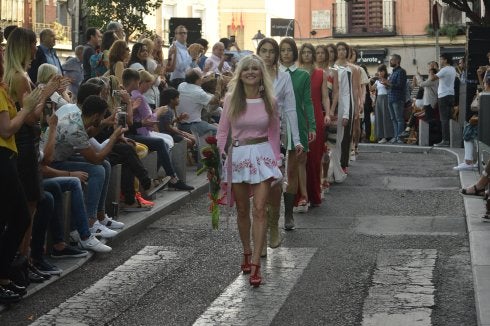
(49, 108)
(232, 38)
(228, 56)
(121, 119)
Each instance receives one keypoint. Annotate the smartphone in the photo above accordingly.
(232, 38)
(121, 119)
(228, 56)
(49, 108)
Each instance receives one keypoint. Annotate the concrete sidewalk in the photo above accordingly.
(478, 231)
(165, 202)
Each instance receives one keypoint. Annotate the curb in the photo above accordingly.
(167, 202)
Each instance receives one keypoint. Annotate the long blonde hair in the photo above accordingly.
(238, 100)
(18, 53)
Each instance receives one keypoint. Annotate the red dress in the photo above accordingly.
(316, 148)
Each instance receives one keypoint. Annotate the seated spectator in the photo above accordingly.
(217, 63)
(72, 139)
(167, 122)
(192, 100)
(131, 79)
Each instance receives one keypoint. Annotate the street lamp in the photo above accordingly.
(257, 38)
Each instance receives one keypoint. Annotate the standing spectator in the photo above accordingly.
(430, 90)
(382, 122)
(15, 217)
(445, 95)
(202, 59)
(217, 61)
(481, 72)
(94, 38)
(250, 116)
(157, 53)
(118, 29)
(178, 57)
(396, 84)
(192, 100)
(119, 55)
(73, 69)
(306, 126)
(99, 62)
(45, 54)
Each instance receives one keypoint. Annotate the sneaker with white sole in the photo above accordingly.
(383, 141)
(464, 167)
(111, 224)
(92, 243)
(99, 229)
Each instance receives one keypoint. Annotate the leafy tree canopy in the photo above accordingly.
(129, 13)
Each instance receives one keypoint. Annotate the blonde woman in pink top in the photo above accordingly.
(251, 120)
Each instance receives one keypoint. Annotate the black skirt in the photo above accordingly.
(27, 141)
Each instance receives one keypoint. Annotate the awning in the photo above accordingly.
(455, 53)
(369, 56)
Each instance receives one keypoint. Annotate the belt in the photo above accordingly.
(249, 141)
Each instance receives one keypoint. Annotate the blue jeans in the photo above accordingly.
(158, 145)
(97, 184)
(200, 128)
(79, 219)
(396, 116)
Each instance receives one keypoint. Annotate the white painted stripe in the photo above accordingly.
(91, 306)
(240, 304)
(402, 292)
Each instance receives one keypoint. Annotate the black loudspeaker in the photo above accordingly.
(193, 25)
(477, 47)
(484, 119)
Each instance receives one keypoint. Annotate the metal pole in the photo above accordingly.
(438, 50)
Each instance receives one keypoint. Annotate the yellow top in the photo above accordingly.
(6, 104)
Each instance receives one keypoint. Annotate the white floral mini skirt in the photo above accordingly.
(252, 164)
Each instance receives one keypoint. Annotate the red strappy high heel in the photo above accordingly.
(255, 279)
(246, 267)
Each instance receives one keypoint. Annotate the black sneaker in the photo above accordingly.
(33, 271)
(46, 267)
(68, 252)
(8, 297)
(180, 185)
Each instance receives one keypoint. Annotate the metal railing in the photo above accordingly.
(374, 21)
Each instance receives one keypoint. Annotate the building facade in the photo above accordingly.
(379, 28)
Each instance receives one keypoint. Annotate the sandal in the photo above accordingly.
(136, 207)
(477, 192)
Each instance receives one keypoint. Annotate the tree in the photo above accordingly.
(129, 13)
(472, 10)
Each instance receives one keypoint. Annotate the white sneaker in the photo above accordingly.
(112, 224)
(464, 167)
(99, 229)
(74, 236)
(383, 141)
(92, 243)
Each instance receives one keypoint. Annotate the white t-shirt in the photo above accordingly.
(192, 100)
(382, 90)
(446, 75)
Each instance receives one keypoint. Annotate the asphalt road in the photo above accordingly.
(323, 274)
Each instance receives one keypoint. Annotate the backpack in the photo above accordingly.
(97, 66)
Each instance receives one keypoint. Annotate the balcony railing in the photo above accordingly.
(364, 18)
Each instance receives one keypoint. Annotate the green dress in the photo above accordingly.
(304, 106)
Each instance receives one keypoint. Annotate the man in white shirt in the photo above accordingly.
(179, 57)
(445, 95)
(192, 100)
(216, 62)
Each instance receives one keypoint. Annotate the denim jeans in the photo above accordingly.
(200, 128)
(396, 115)
(97, 184)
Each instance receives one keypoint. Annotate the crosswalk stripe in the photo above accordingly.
(240, 304)
(84, 307)
(402, 292)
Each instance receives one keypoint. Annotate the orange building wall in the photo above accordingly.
(412, 16)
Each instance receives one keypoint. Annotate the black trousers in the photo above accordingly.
(132, 166)
(15, 217)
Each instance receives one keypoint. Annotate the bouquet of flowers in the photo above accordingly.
(211, 163)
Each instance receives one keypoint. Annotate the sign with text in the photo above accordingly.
(282, 27)
(320, 19)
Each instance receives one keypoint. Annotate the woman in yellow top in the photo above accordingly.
(15, 213)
